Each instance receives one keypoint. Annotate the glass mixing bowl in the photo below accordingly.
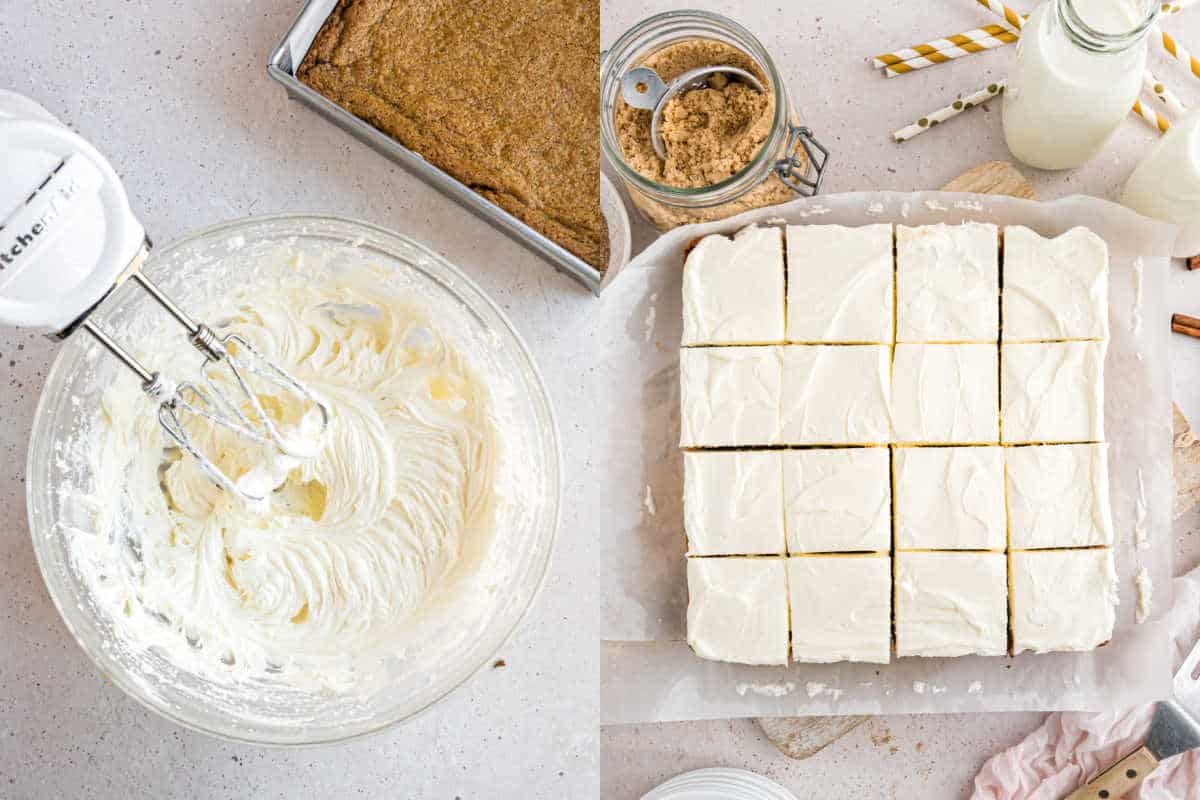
(464, 635)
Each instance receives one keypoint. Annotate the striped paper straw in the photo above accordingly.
(1012, 20)
(1155, 87)
(941, 56)
(937, 45)
(1152, 118)
(1180, 54)
(946, 112)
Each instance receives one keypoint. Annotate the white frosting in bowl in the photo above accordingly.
(379, 573)
(353, 541)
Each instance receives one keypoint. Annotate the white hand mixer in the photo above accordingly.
(68, 238)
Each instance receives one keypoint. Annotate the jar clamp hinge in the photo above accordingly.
(794, 171)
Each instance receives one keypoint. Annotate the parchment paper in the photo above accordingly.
(649, 674)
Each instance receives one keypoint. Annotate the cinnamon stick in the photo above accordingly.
(1188, 326)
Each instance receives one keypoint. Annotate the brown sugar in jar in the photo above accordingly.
(722, 141)
(709, 134)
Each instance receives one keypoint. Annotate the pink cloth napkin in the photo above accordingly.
(1070, 749)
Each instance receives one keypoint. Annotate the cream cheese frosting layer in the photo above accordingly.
(950, 498)
(737, 609)
(1058, 496)
(355, 542)
(947, 283)
(951, 604)
(1052, 392)
(841, 608)
(1054, 288)
(1063, 599)
(837, 500)
(945, 394)
(835, 394)
(839, 286)
(733, 289)
(733, 502)
(729, 396)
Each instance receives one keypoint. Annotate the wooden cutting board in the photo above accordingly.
(994, 177)
(801, 737)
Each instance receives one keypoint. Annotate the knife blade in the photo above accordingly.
(1186, 684)
(1173, 731)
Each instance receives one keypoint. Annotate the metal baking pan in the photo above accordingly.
(282, 67)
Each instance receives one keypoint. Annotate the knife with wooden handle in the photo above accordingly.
(1174, 730)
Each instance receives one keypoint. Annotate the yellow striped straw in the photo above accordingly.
(937, 45)
(1152, 118)
(1012, 19)
(949, 53)
(1180, 54)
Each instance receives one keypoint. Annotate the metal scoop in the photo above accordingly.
(642, 87)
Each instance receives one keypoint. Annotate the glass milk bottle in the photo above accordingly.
(1166, 184)
(1078, 71)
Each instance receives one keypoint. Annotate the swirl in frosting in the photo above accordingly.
(352, 542)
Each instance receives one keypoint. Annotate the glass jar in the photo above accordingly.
(790, 162)
(1078, 72)
(1166, 184)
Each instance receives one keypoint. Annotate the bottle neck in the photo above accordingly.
(1105, 26)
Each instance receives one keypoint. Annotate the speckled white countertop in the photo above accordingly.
(820, 47)
(176, 94)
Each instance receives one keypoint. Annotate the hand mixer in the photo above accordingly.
(68, 238)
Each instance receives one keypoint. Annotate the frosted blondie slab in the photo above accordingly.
(1054, 288)
(949, 498)
(1052, 392)
(945, 394)
(835, 394)
(737, 609)
(947, 283)
(733, 502)
(839, 283)
(1063, 599)
(951, 604)
(733, 289)
(729, 396)
(841, 608)
(1058, 496)
(837, 501)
